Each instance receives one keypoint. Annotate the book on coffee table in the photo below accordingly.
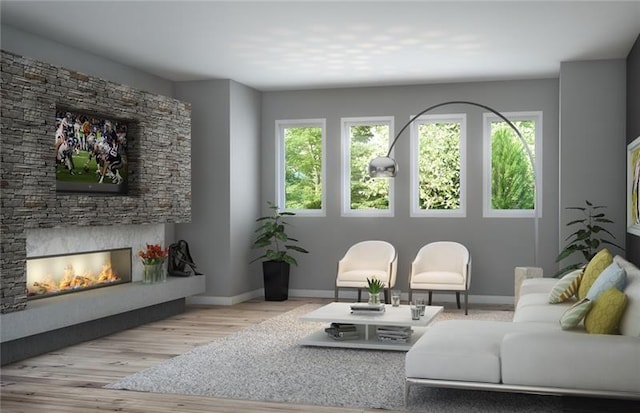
(366, 308)
(394, 333)
(344, 335)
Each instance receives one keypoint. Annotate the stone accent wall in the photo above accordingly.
(159, 160)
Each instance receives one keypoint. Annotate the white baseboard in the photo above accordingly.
(344, 294)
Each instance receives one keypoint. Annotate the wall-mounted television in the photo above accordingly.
(91, 153)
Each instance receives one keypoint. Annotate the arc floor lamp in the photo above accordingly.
(387, 167)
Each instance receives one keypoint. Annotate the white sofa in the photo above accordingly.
(533, 354)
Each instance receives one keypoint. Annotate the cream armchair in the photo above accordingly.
(364, 260)
(442, 266)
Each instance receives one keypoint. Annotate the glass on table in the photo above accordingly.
(415, 311)
(395, 298)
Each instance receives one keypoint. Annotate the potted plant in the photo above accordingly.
(375, 287)
(588, 237)
(271, 236)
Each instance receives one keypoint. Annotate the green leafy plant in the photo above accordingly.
(589, 236)
(374, 285)
(272, 237)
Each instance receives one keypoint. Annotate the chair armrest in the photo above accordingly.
(393, 268)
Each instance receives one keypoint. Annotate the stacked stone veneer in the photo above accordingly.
(159, 160)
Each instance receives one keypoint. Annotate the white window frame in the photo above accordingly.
(487, 210)
(346, 124)
(281, 125)
(416, 211)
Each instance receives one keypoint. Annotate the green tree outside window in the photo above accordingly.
(366, 143)
(512, 180)
(439, 166)
(303, 168)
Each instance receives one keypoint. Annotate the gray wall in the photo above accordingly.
(496, 244)
(244, 193)
(592, 142)
(633, 128)
(45, 50)
(225, 179)
(208, 232)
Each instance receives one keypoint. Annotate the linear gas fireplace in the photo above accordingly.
(70, 273)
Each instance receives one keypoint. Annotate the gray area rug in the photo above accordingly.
(265, 363)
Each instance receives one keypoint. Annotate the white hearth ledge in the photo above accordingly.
(48, 314)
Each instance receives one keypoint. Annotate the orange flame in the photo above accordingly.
(71, 281)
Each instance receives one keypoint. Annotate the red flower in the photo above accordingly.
(154, 254)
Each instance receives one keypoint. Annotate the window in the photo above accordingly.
(509, 189)
(438, 164)
(364, 139)
(300, 166)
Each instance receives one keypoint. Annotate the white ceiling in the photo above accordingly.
(276, 45)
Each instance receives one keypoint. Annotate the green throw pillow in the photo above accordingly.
(574, 314)
(566, 287)
(606, 312)
(597, 264)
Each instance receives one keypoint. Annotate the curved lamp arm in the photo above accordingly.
(386, 167)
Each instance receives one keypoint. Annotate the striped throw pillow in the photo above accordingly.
(566, 287)
(574, 314)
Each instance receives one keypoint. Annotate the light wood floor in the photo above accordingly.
(70, 380)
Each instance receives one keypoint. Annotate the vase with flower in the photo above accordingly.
(153, 259)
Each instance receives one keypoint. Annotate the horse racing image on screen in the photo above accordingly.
(91, 153)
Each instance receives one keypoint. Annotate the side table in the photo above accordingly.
(521, 274)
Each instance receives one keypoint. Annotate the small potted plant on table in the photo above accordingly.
(375, 287)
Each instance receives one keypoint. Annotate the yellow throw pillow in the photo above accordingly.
(598, 263)
(606, 312)
(566, 287)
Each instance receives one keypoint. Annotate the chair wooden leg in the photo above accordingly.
(458, 299)
(335, 296)
(386, 296)
(430, 296)
(359, 296)
(466, 303)
(410, 294)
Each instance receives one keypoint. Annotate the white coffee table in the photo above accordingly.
(366, 324)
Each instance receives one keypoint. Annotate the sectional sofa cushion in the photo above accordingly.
(571, 360)
(537, 285)
(596, 265)
(535, 307)
(566, 287)
(467, 350)
(604, 317)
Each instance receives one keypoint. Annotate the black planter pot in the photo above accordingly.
(276, 280)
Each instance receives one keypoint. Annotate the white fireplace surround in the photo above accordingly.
(70, 240)
(57, 312)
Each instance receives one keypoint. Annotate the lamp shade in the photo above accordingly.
(383, 167)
